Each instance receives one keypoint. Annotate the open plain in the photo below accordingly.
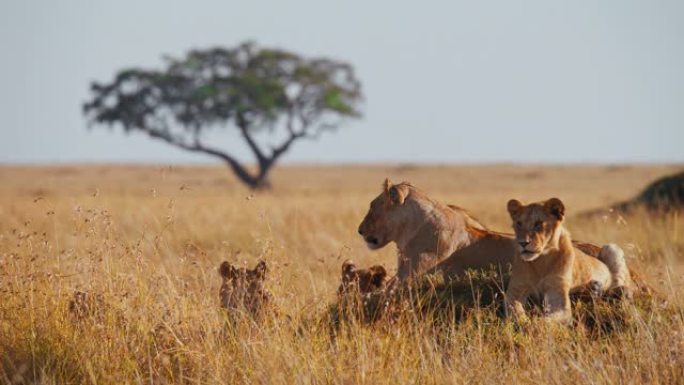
(146, 241)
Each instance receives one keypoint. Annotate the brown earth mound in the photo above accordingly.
(664, 195)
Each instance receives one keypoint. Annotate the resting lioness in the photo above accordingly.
(547, 264)
(431, 236)
(428, 232)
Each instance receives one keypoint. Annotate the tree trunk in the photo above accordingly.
(254, 182)
(262, 181)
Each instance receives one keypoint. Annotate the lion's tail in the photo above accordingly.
(613, 256)
(624, 277)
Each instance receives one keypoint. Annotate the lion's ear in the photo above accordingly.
(386, 185)
(261, 269)
(555, 207)
(514, 206)
(378, 274)
(397, 194)
(226, 270)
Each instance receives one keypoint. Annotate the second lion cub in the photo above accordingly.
(547, 264)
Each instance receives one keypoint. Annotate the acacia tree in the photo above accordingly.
(249, 89)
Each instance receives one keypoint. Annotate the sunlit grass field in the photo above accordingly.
(148, 240)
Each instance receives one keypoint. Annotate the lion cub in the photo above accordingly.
(547, 264)
(243, 289)
(362, 281)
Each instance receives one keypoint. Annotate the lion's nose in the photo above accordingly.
(360, 232)
(523, 244)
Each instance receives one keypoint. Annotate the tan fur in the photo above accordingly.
(547, 264)
(433, 237)
(430, 235)
(243, 289)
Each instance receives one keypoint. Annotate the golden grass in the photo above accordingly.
(148, 240)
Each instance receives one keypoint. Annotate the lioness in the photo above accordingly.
(243, 289)
(362, 281)
(431, 236)
(546, 263)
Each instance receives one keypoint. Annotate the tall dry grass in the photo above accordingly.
(147, 241)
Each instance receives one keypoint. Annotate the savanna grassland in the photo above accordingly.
(147, 241)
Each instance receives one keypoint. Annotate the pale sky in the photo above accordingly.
(445, 82)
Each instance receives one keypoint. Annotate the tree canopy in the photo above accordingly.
(246, 88)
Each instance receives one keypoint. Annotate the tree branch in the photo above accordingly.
(238, 168)
(294, 134)
(243, 125)
(279, 150)
(261, 158)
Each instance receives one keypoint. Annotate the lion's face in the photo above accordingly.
(385, 217)
(535, 225)
(243, 288)
(363, 280)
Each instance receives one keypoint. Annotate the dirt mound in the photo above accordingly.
(664, 195)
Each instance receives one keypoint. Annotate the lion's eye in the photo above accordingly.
(538, 225)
